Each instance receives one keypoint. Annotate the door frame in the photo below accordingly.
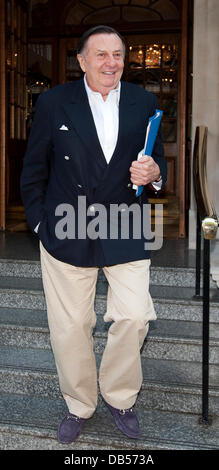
(2, 115)
(183, 120)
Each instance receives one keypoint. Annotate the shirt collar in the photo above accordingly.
(91, 92)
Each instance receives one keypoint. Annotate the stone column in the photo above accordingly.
(205, 109)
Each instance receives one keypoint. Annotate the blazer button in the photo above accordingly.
(67, 157)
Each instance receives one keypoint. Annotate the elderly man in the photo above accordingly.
(83, 149)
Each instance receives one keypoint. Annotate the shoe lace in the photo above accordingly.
(71, 416)
(128, 410)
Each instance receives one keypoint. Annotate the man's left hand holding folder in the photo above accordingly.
(144, 170)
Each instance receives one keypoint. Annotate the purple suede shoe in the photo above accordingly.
(126, 421)
(70, 428)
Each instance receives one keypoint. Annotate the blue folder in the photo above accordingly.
(151, 134)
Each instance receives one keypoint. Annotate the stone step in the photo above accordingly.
(170, 302)
(168, 276)
(167, 384)
(31, 423)
(167, 339)
(27, 320)
(172, 309)
(157, 289)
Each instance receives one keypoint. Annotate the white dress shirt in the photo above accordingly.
(106, 117)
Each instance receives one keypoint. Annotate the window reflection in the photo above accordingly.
(169, 81)
(16, 69)
(169, 55)
(73, 70)
(153, 56)
(154, 67)
(153, 81)
(169, 131)
(169, 107)
(136, 57)
(39, 75)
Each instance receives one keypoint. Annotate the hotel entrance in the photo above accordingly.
(158, 59)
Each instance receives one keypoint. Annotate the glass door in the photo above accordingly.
(152, 62)
(16, 105)
(69, 69)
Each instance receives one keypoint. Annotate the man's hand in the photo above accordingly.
(144, 171)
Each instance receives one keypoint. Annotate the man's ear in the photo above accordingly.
(81, 61)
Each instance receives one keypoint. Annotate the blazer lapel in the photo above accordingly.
(79, 112)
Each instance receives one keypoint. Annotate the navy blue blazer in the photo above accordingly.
(64, 160)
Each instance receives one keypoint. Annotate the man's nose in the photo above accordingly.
(110, 60)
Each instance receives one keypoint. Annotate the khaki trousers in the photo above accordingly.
(70, 293)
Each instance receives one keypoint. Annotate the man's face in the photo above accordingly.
(103, 62)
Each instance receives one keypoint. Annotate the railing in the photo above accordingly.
(207, 223)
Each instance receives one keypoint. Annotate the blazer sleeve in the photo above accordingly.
(35, 172)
